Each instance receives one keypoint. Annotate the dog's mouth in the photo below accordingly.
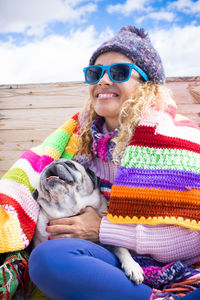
(54, 179)
(53, 182)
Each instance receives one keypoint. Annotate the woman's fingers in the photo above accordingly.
(84, 226)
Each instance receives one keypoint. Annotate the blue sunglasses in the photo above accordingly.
(119, 72)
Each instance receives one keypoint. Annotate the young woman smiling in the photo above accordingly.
(127, 134)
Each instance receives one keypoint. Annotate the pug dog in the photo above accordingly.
(67, 187)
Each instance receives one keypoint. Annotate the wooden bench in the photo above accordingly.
(30, 112)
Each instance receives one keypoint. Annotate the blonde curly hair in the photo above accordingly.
(147, 96)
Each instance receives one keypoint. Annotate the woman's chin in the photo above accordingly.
(106, 110)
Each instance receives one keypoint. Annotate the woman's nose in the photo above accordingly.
(105, 79)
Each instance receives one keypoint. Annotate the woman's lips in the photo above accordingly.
(106, 95)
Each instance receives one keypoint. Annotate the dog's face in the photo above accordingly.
(65, 188)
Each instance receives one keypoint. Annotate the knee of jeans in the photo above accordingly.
(43, 258)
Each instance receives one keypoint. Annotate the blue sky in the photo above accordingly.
(52, 40)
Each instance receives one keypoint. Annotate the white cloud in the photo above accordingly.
(158, 16)
(127, 8)
(52, 59)
(179, 49)
(186, 6)
(58, 58)
(32, 16)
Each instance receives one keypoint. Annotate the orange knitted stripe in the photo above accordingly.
(146, 202)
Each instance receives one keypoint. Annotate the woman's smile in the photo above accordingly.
(104, 95)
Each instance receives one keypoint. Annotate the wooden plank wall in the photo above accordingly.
(29, 113)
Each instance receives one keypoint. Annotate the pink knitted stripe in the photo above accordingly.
(186, 123)
(37, 162)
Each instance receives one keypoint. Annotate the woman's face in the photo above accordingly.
(107, 96)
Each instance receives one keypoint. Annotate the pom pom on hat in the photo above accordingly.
(136, 45)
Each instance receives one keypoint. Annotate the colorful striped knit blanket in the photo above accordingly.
(18, 209)
(159, 177)
(160, 169)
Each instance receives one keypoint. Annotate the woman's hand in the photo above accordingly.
(84, 226)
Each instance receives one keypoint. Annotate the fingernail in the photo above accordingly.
(48, 223)
(49, 238)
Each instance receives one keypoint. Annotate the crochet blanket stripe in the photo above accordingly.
(158, 158)
(159, 177)
(19, 211)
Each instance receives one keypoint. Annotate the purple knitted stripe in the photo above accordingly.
(37, 162)
(162, 179)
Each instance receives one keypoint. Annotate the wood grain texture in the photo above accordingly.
(30, 112)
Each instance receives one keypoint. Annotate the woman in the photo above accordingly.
(125, 78)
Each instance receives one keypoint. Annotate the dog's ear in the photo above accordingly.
(35, 194)
(93, 177)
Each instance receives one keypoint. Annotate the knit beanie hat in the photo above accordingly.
(135, 44)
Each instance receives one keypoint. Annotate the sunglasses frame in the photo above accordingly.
(107, 68)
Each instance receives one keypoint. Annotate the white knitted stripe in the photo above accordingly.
(22, 195)
(165, 126)
(183, 132)
(24, 164)
(165, 243)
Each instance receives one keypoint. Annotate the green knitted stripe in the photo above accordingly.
(67, 155)
(18, 175)
(57, 140)
(155, 158)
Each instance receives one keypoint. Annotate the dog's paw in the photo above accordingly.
(133, 271)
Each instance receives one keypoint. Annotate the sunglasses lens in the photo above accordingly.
(120, 72)
(93, 74)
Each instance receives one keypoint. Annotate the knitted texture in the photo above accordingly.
(14, 275)
(19, 211)
(159, 177)
(102, 143)
(174, 280)
(135, 44)
(171, 281)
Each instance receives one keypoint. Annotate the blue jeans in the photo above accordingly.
(73, 269)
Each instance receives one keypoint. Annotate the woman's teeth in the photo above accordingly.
(101, 96)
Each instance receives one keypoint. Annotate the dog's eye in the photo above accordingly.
(35, 194)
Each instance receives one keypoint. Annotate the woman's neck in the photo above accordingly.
(111, 123)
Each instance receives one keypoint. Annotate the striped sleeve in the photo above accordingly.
(19, 211)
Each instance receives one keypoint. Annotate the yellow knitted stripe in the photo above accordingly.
(4, 216)
(69, 126)
(10, 233)
(192, 224)
(49, 151)
(72, 146)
